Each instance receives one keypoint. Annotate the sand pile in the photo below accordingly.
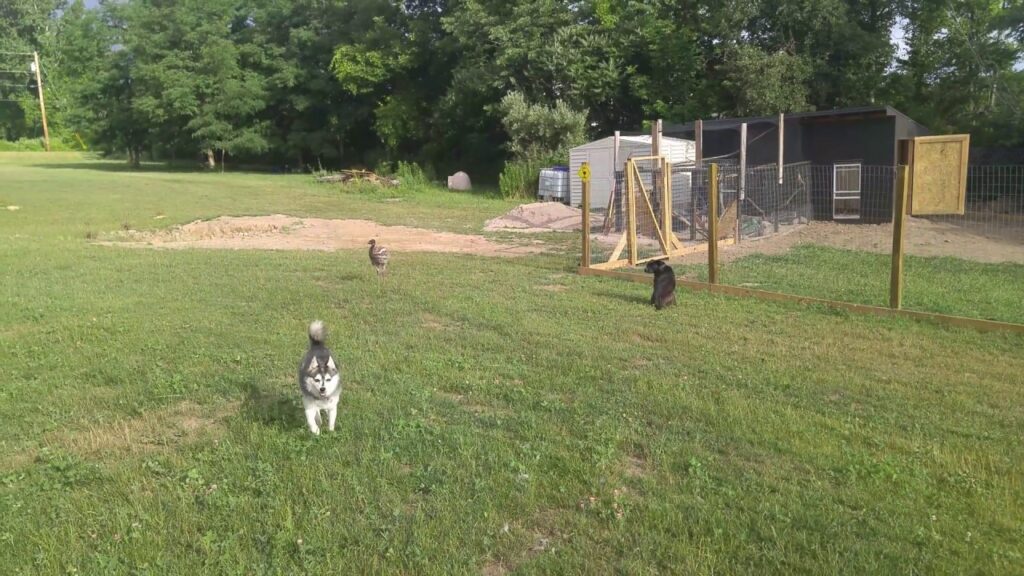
(280, 232)
(538, 217)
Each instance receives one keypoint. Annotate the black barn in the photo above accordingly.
(851, 152)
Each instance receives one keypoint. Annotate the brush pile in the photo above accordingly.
(353, 176)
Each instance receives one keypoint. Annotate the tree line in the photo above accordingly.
(470, 84)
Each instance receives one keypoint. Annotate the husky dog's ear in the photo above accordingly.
(314, 367)
(330, 363)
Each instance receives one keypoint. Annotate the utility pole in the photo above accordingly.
(42, 104)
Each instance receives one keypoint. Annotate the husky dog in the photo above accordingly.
(664, 293)
(319, 380)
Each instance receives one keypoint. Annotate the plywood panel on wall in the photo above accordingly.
(939, 174)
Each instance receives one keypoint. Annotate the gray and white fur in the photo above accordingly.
(319, 380)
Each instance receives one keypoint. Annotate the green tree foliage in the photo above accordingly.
(959, 73)
(764, 84)
(539, 131)
(380, 81)
(539, 135)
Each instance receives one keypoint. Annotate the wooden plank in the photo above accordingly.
(610, 265)
(652, 259)
(616, 190)
(909, 161)
(958, 321)
(631, 211)
(698, 248)
(728, 222)
(939, 175)
(616, 261)
(585, 258)
(899, 220)
(698, 138)
(713, 225)
(666, 203)
(620, 247)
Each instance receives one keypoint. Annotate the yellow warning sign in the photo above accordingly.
(585, 173)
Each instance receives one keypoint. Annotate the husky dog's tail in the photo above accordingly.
(317, 333)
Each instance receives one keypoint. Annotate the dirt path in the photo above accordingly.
(280, 232)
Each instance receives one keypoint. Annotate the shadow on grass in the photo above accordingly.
(627, 298)
(273, 408)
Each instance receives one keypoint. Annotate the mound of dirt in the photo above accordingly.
(538, 217)
(280, 232)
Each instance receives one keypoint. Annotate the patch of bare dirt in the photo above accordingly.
(433, 322)
(164, 428)
(280, 232)
(538, 217)
(536, 536)
(494, 569)
(635, 467)
(468, 404)
(923, 237)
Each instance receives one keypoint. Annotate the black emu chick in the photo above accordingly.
(664, 284)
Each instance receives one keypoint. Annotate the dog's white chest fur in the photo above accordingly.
(326, 403)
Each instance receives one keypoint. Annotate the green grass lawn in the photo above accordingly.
(499, 415)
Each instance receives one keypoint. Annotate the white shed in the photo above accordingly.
(601, 156)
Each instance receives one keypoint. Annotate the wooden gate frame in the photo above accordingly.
(671, 245)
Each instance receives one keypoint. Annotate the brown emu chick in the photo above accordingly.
(379, 257)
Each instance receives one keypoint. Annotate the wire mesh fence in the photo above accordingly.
(971, 263)
(824, 232)
(994, 203)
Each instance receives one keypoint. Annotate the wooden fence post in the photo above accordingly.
(585, 259)
(713, 224)
(666, 204)
(899, 220)
(698, 138)
(631, 211)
